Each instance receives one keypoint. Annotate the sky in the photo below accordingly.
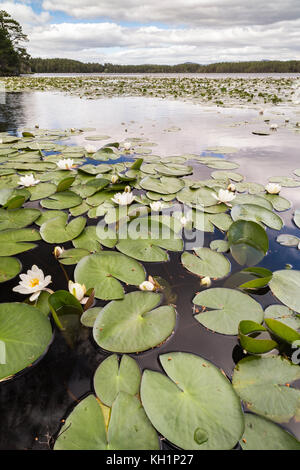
(160, 31)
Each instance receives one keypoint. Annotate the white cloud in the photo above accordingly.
(24, 13)
(214, 13)
(120, 44)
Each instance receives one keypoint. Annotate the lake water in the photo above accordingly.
(32, 405)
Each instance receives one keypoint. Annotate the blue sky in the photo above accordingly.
(160, 31)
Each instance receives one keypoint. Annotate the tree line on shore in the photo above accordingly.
(39, 65)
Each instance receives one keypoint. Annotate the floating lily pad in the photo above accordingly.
(26, 333)
(88, 317)
(9, 268)
(262, 434)
(59, 231)
(284, 315)
(63, 200)
(164, 185)
(227, 308)
(113, 377)
(252, 212)
(103, 271)
(72, 256)
(15, 241)
(128, 427)
(17, 218)
(41, 191)
(134, 324)
(206, 263)
(285, 285)
(187, 407)
(264, 385)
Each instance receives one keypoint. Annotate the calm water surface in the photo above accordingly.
(32, 405)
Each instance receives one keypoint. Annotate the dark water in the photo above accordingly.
(33, 404)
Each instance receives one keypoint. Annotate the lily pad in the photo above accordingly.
(285, 286)
(284, 315)
(9, 268)
(17, 218)
(262, 434)
(103, 271)
(57, 230)
(128, 427)
(113, 377)
(206, 263)
(255, 213)
(134, 324)
(63, 200)
(26, 333)
(13, 242)
(264, 384)
(187, 407)
(227, 308)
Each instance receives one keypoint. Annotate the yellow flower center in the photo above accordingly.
(34, 282)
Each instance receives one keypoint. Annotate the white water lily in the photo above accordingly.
(27, 181)
(65, 164)
(79, 291)
(127, 146)
(90, 149)
(123, 199)
(34, 282)
(205, 282)
(156, 206)
(261, 111)
(273, 127)
(58, 251)
(147, 285)
(273, 188)
(1, 141)
(224, 196)
(114, 179)
(185, 220)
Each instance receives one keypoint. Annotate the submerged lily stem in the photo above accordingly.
(56, 319)
(64, 271)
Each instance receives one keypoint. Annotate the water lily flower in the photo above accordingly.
(65, 164)
(123, 199)
(34, 282)
(127, 146)
(156, 206)
(224, 196)
(273, 188)
(273, 127)
(1, 141)
(79, 291)
(205, 282)
(90, 149)
(261, 111)
(58, 251)
(114, 179)
(185, 220)
(37, 126)
(231, 187)
(27, 181)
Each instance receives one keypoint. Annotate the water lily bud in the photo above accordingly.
(205, 282)
(231, 187)
(127, 189)
(90, 149)
(156, 206)
(273, 127)
(1, 141)
(58, 251)
(261, 111)
(127, 145)
(114, 179)
(78, 290)
(37, 126)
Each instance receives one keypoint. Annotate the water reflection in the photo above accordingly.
(32, 406)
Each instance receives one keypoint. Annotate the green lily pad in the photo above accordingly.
(221, 246)
(285, 286)
(63, 200)
(164, 185)
(254, 213)
(128, 427)
(41, 191)
(88, 317)
(17, 218)
(59, 231)
(26, 333)
(264, 384)
(113, 377)
(187, 407)
(103, 271)
(72, 256)
(262, 434)
(228, 308)
(9, 268)
(206, 263)
(134, 324)
(284, 315)
(14, 241)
